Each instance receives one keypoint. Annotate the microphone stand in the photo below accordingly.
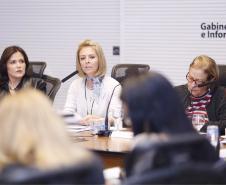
(106, 132)
(69, 76)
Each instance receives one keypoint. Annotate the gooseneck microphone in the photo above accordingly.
(207, 83)
(69, 76)
(106, 131)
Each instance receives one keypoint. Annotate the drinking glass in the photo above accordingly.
(97, 126)
(198, 120)
(117, 119)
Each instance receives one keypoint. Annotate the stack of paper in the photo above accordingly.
(77, 128)
(122, 134)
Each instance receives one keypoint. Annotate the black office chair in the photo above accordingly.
(86, 173)
(37, 68)
(184, 159)
(222, 75)
(52, 86)
(193, 173)
(120, 72)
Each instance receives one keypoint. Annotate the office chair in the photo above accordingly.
(120, 72)
(52, 86)
(86, 173)
(222, 75)
(37, 68)
(183, 159)
(193, 173)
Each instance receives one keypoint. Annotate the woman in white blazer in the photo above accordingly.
(92, 91)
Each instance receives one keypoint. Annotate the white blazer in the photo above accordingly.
(78, 103)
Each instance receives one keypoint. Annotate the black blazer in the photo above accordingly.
(216, 109)
(36, 83)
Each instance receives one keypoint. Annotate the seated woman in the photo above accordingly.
(93, 91)
(14, 74)
(208, 100)
(34, 141)
(151, 105)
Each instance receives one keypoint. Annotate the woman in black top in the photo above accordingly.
(202, 94)
(164, 136)
(14, 73)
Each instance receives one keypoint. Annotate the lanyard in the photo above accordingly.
(87, 102)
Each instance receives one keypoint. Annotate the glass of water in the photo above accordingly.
(198, 120)
(117, 119)
(97, 126)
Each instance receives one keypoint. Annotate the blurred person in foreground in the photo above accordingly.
(152, 106)
(91, 92)
(14, 72)
(208, 100)
(34, 139)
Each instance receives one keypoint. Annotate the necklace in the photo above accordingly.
(11, 87)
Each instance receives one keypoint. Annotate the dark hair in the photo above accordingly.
(7, 53)
(154, 106)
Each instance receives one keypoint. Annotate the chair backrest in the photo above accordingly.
(52, 85)
(222, 75)
(193, 173)
(37, 68)
(87, 173)
(184, 159)
(120, 72)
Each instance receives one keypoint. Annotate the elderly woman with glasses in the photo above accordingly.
(202, 94)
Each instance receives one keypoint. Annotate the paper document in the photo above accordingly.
(112, 173)
(223, 153)
(122, 134)
(78, 128)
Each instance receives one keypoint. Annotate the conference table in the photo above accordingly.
(112, 150)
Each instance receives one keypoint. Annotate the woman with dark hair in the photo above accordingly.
(164, 136)
(14, 73)
(153, 106)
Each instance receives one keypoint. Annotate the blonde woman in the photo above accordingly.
(33, 136)
(90, 94)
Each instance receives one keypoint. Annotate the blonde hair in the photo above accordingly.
(208, 65)
(31, 133)
(100, 54)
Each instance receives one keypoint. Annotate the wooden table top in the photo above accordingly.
(107, 144)
(99, 143)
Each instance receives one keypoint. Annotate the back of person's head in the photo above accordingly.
(207, 64)
(32, 134)
(153, 105)
(100, 54)
(7, 53)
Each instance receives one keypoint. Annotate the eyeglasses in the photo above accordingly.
(191, 79)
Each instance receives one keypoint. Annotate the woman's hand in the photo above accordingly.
(87, 120)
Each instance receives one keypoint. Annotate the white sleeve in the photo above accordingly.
(70, 104)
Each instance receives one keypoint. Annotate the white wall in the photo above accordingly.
(165, 34)
(51, 30)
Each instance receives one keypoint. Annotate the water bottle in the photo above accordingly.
(213, 134)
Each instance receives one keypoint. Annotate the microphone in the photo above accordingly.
(69, 76)
(207, 83)
(106, 131)
(200, 85)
